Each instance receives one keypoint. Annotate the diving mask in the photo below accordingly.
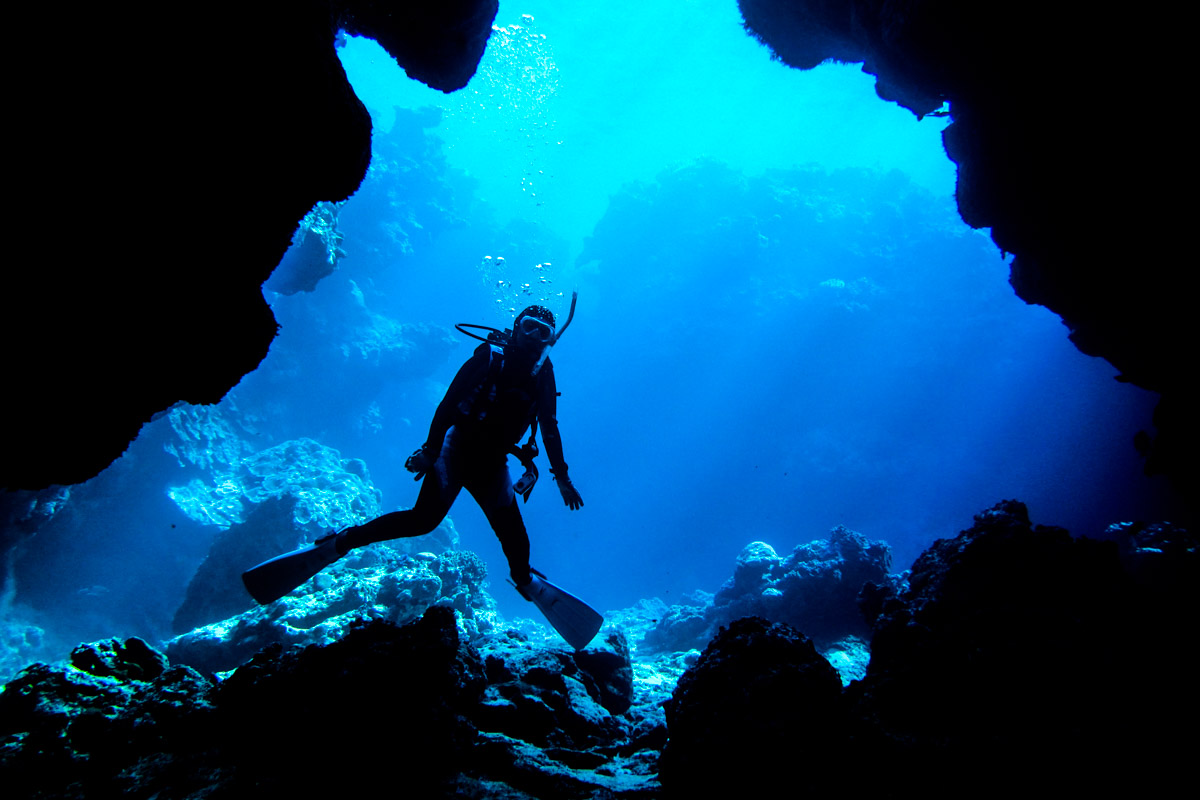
(535, 330)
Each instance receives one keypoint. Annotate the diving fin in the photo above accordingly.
(575, 620)
(274, 578)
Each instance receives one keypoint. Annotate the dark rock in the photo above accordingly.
(375, 582)
(198, 189)
(131, 660)
(1016, 652)
(1021, 652)
(1068, 212)
(379, 705)
(120, 724)
(610, 669)
(1160, 557)
(216, 592)
(314, 253)
(438, 44)
(1016, 655)
(73, 733)
(550, 701)
(876, 598)
(369, 734)
(680, 628)
(760, 703)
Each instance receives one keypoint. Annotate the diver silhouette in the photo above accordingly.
(499, 393)
(506, 388)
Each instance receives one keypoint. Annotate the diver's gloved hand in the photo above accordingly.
(419, 463)
(569, 494)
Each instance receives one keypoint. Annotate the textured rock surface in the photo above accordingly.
(814, 589)
(376, 582)
(1052, 156)
(168, 207)
(1016, 656)
(418, 707)
(97, 727)
(759, 695)
(266, 504)
(1036, 643)
(1053, 149)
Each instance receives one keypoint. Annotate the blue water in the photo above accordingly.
(783, 325)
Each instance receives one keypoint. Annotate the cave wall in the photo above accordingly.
(166, 155)
(1064, 145)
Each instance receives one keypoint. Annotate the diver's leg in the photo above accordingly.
(492, 489)
(438, 491)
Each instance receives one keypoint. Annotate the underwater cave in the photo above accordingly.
(852, 283)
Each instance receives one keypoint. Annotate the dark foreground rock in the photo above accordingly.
(288, 722)
(1022, 652)
(1015, 657)
(759, 696)
(1018, 656)
(414, 707)
(193, 144)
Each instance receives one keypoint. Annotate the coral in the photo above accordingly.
(330, 492)
(1015, 652)
(205, 437)
(96, 727)
(1014, 655)
(375, 582)
(815, 590)
(21, 642)
(508, 718)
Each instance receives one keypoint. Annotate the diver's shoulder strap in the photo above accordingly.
(480, 400)
(495, 362)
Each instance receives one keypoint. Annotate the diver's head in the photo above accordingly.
(533, 329)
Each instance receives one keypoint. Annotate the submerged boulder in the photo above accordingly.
(375, 582)
(1016, 655)
(759, 699)
(1035, 643)
(97, 727)
(814, 589)
(416, 704)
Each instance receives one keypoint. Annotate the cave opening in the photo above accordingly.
(783, 327)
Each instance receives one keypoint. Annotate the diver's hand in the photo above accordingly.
(419, 463)
(569, 494)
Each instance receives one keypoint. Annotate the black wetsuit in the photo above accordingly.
(489, 406)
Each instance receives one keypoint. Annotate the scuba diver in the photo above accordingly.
(504, 389)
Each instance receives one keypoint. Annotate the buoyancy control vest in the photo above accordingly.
(502, 405)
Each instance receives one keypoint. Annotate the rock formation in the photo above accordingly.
(1016, 655)
(164, 177)
(1055, 155)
